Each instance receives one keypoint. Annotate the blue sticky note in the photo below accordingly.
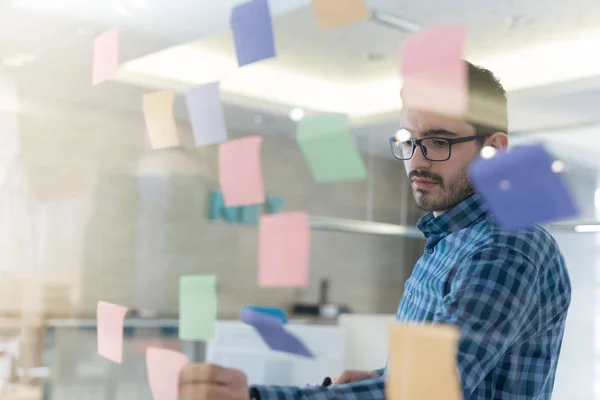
(272, 311)
(521, 189)
(252, 32)
(274, 334)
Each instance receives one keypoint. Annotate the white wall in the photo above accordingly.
(575, 376)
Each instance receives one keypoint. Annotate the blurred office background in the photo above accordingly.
(89, 212)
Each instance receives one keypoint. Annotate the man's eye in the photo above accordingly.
(439, 143)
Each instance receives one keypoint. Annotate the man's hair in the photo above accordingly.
(487, 107)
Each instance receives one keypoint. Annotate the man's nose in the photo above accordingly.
(418, 161)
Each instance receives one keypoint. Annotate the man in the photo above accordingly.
(508, 292)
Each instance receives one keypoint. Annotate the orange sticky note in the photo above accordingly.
(336, 13)
(109, 321)
(283, 250)
(163, 367)
(240, 174)
(160, 119)
(422, 363)
(434, 73)
(106, 56)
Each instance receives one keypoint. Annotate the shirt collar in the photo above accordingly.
(462, 215)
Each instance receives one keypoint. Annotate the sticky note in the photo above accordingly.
(422, 363)
(329, 148)
(109, 320)
(434, 73)
(283, 250)
(197, 307)
(240, 175)
(106, 56)
(160, 119)
(163, 368)
(252, 32)
(206, 114)
(521, 189)
(337, 13)
(274, 334)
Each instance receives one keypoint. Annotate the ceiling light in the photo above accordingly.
(488, 152)
(558, 166)
(296, 114)
(121, 10)
(13, 61)
(18, 60)
(587, 228)
(402, 135)
(395, 22)
(141, 4)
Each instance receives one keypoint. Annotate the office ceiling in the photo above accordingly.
(46, 46)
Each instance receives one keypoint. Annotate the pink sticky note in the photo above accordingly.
(163, 367)
(106, 56)
(240, 175)
(283, 250)
(434, 73)
(109, 320)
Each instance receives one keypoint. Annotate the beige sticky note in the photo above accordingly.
(422, 363)
(336, 13)
(160, 119)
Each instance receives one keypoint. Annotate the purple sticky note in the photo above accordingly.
(206, 114)
(252, 32)
(272, 331)
(521, 189)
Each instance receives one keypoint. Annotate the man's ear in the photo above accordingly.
(498, 140)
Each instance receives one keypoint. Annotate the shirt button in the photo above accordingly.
(410, 295)
(430, 250)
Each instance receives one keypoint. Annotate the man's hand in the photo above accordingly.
(349, 376)
(209, 381)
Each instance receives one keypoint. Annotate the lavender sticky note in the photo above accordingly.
(252, 32)
(272, 331)
(521, 188)
(206, 114)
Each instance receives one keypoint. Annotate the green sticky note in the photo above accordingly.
(329, 148)
(197, 307)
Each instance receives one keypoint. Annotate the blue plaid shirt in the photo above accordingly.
(508, 292)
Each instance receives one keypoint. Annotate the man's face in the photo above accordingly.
(437, 186)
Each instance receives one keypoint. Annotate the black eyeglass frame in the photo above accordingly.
(418, 142)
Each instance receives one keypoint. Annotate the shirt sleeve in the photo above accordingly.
(492, 299)
(371, 389)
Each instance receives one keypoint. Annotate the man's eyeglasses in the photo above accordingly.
(433, 148)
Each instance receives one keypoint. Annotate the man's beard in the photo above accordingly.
(453, 192)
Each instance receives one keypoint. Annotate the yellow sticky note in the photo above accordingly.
(422, 363)
(336, 13)
(160, 119)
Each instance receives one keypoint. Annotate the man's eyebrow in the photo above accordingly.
(438, 132)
